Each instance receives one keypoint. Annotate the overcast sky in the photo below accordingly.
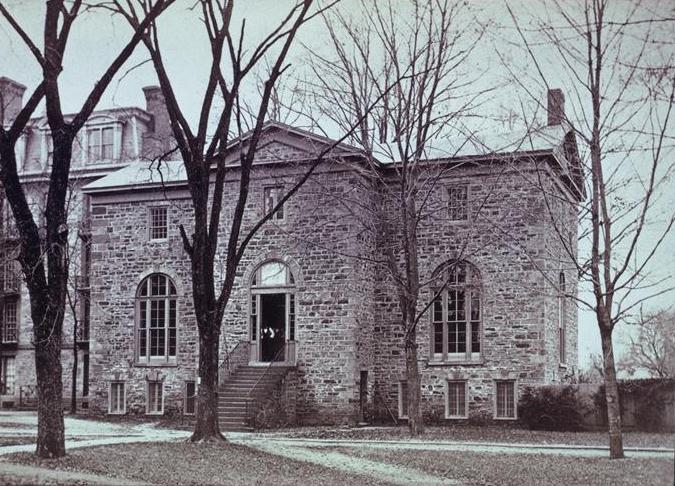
(96, 38)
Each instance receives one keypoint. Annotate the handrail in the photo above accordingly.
(226, 365)
(267, 369)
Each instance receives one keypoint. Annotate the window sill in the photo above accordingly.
(117, 413)
(475, 362)
(158, 240)
(456, 418)
(164, 364)
(506, 418)
(563, 366)
(154, 413)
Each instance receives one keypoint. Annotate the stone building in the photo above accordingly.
(110, 139)
(313, 324)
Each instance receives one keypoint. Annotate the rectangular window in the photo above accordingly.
(159, 223)
(155, 403)
(402, 399)
(10, 276)
(117, 396)
(85, 374)
(272, 196)
(190, 398)
(10, 319)
(456, 399)
(100, 144)
(7, 375)
(505, 400)
(458, 209)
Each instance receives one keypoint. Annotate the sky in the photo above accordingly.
(96, 38)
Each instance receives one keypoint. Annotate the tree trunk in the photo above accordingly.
(51, 437)
(207, 427)
(415, 421)
(612, 396)
(73, 390)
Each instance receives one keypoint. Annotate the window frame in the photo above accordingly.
(147, 359)
(473, 283)
(465, 384)
(449, 199)
(122, 383)
(152, 227)
(148, 385)
(100, 128)
(3, 374)
(513, 383)
(277, 190)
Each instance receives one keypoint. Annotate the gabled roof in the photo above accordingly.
(285, 136)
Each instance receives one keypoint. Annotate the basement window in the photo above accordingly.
(117, 398)
(505, 400)
(155, 403)
(190, 405)
(403, 399)
(456, 399)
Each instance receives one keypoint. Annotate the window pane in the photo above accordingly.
(438, 309)
(158, 223)
(155, 390)
(456, 399)
(506, 399)
(7, 375)
(457, 203)
(291, 318)
(273, 273)
(438, 337)
(475, 337)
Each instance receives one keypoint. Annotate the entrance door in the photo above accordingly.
(272, 327)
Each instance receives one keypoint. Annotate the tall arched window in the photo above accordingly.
(562, 312)
(272, 321)
(156, 316)
(456, 314)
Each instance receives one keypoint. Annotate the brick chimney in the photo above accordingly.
(11, 100)
(556, 106)
(158, 139)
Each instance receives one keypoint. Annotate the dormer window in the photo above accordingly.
(100, 144)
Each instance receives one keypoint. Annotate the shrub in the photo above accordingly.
(552, 408)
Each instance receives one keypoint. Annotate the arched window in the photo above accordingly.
(456, 314)
(156, 316)
(562, 312)
(272, 312)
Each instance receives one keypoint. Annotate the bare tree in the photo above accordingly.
(419, 48)
(617, 61)
(203, 152)
(652, 345)
(43, 256)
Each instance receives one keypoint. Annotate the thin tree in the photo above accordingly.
(421, 49)
(43, 256)
(618, 61)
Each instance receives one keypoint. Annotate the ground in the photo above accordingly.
(132, 452)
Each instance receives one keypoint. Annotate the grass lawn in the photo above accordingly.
(525, 470)
(183, 463)
(481, 434)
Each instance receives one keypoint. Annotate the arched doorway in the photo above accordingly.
(272, 313)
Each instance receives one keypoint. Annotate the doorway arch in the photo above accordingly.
(272, 313)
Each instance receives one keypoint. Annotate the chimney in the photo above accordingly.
(556, 106)
(11, 100)
(159, 137)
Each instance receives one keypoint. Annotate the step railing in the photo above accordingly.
(239, 356)
(249, 396)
